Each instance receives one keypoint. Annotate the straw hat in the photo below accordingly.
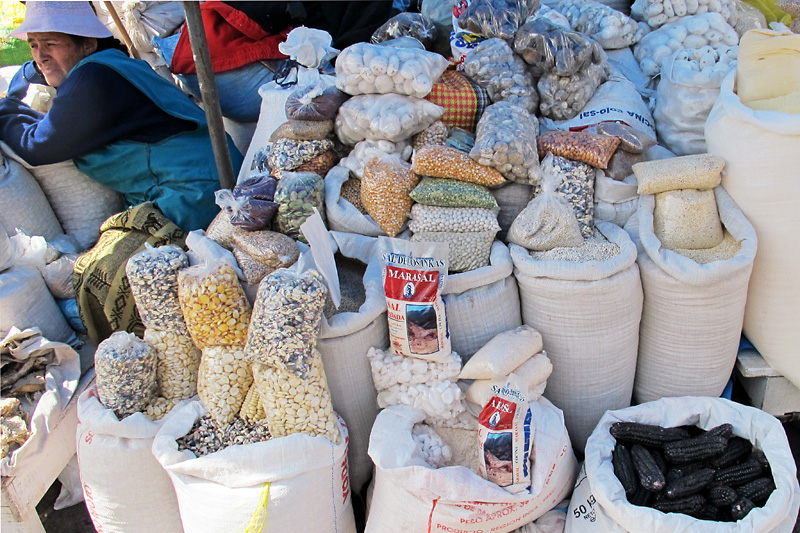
(74, 18)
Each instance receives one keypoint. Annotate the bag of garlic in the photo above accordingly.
(599, 504)
(410, 495)
(493, 65)
(342, 215)
(693, 313)
(267, 486)
(612, 29)
(125, 488)
(591, 339)
(656, 13)
(390, 117)
(764, 143)
(689, 86)
(364, 68)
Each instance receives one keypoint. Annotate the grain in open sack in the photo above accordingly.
(699, 171)
(728, 248)
(385, 192)
(687, 218)
(351, 191)
(590, 148)
(445, 192)
(446, 162)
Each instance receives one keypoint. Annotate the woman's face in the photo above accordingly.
(56, 53)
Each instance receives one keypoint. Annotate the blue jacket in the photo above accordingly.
(178, 174)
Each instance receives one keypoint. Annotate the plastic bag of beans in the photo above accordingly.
(446, 162)
(413, 25)
(496, 18)
(385, 192)
(308, 103)
(494, 66)
(468, 250)
(303, 130)
(590, 148)
(505, 140)
(126, 373)
(550, 48)
(298, 194)
(452, 193)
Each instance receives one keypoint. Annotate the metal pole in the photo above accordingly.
(122, 30)
(208, 91)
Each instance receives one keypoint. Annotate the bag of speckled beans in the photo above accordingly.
(125, 366)
(298, 194)
(586, 301)
(694, 303)
(286, 320)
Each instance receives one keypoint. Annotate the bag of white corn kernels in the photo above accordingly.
(692, 316)
(599, 504)
(466, 294)
(284, 484)
(125, 488)
(590, 336)
(409, 495)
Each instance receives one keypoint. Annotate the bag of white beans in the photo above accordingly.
(612, 29)
(656, 13)
(390, 117)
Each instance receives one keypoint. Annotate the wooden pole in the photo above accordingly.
(208, 91)
(122, 29)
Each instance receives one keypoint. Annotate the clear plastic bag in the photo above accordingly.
(453, 219)
(550, 48)
(496, 18)
(271, 249)
(303, 130)
(414, 25)
(286, 319)
(153, 278)
(298, 194)
(612, 29)
(590, 148)
(506, 141)
(223, 379)
(307, 103)
(467, 250)
(548, 221)
(365, 68)
(250, 214)
(385, 192)
(564, 97)
(178, 363)
(125, 369)
(656, 13)
(363, 151)
(446, 162)
(445, 192)
(288, 154)
(494, 66)
(389, 117)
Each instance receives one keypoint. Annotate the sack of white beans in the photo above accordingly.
(656, 13)
(494, 66)
(612, 29)
(390, 117)
(689, 86)
(690, 32)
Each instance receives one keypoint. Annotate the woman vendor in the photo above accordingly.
(124, 126)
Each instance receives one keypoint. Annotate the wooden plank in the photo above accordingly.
(751, 365)
(11, 525)
(22, 492)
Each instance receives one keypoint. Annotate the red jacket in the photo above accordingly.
(234, 40)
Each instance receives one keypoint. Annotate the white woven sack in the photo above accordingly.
(341, 214)
(512, 198)
(271, 115)
(23, 205)
(294, 483)
(8, 252)
(599, 504)
(588, 314)
(692, 315)
(682, 107)
(762, 175)
(125, 488)
(61, 381)
(410, 496)
(615, 201)
(81, 204)
(482, 303)
(344, 341)
(26, 302)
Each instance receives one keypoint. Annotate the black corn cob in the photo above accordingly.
(695, 448)
(757, 490)
(721, 495)
(738, 474)
(709, 512)
(690, 504)
(624, 469)
(689, 484)
(738, 448)
(722, 430)
(646, 434)
(740, 508)
(650, 477)
(642, 497)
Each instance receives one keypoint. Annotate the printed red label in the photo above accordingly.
(411, 285)
(498, 414)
